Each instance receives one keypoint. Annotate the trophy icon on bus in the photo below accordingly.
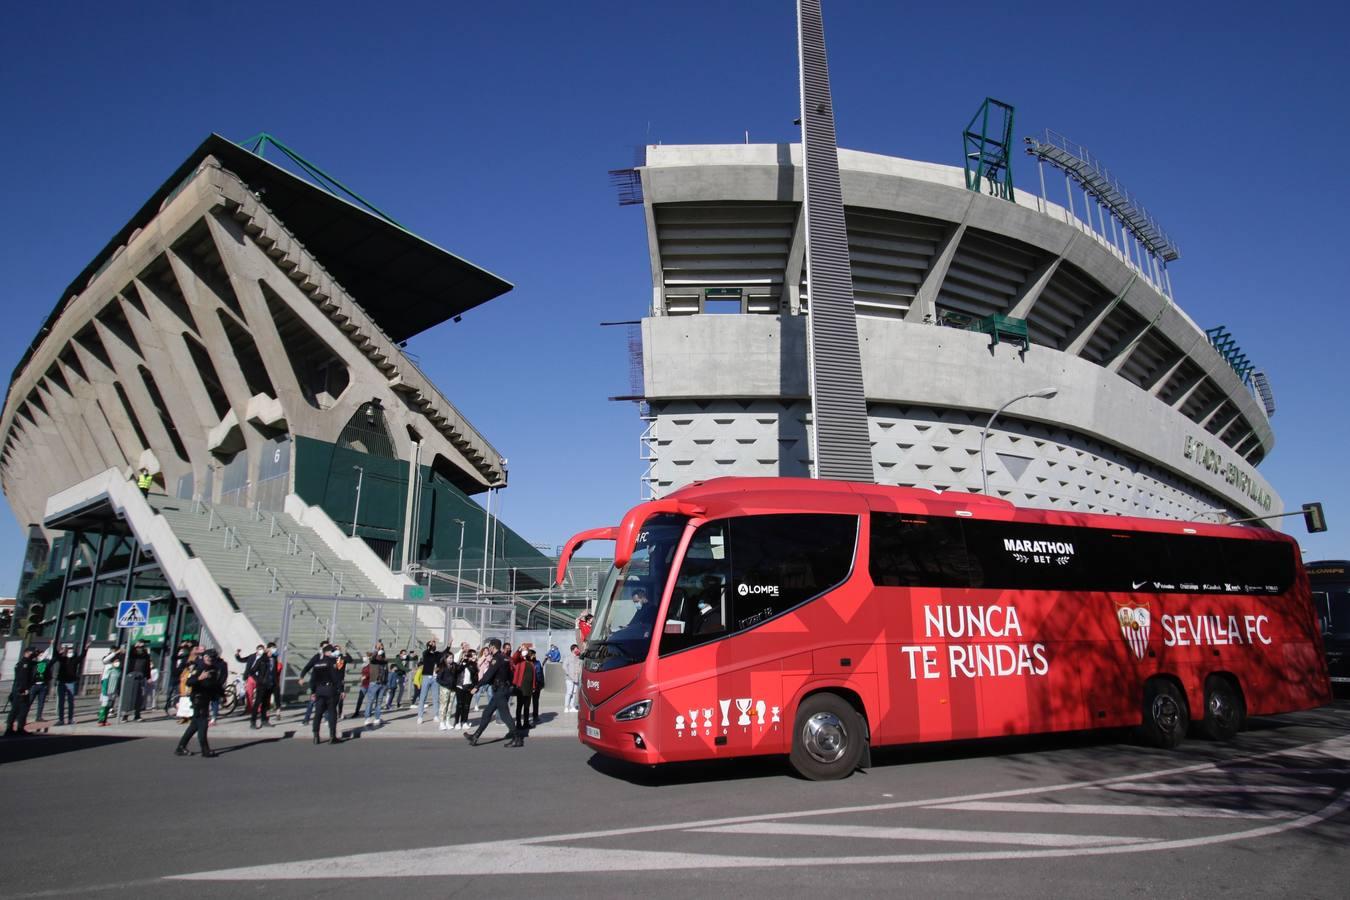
(743, 704)
(726, 708)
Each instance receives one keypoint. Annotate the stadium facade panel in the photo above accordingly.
(1149, 418)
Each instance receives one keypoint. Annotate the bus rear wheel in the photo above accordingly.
(827, 738)
(1224, 709)
(1166, 714)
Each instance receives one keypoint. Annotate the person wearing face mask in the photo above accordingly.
(68, 667)
(262, 671)
(499, 677)
(21, 693)
(379, 677)
(398, 676)
(137, 674)
(206, 682)
(109, 684)
(431, 657)
(325, 687)
(250, 686)
(363, 685)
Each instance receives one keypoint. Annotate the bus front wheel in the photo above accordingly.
(827, 738)
(1166, 715)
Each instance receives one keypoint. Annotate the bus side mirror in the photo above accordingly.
(1314, 518)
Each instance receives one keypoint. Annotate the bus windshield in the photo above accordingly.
(1333, 608)
(626, 613)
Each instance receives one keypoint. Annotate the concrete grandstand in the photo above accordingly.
(239, 342)
(964, 300)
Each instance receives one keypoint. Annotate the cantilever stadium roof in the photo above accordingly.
(405, 283)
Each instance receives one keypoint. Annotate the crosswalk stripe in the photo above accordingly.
(1107, 809)
(945, 835)
(1136, 787)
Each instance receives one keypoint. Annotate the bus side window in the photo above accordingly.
(918, 551)
(742, 571)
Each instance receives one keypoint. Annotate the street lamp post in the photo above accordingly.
(459, 572)
(360, 476)
(1042, 394)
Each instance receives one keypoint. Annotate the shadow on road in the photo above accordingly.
(36, 746)
(233, 748)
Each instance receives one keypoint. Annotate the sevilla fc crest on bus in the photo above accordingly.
(1134, 621)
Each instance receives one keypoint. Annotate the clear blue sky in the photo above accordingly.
(488, 129)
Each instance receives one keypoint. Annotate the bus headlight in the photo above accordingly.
(632, 711)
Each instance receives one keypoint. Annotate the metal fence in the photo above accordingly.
(358, 623)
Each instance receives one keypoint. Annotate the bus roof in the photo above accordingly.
(740, 496)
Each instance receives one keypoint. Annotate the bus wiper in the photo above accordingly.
(613, 645)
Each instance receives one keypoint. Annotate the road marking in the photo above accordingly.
(1273, 770)
(950, 835)
(1108, 809)
(1134, 787)
(527, 854)
(529, 857)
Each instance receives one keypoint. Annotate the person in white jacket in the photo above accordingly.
(571, 664)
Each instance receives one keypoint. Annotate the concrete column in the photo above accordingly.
(102, 379)
(791, 300)
(925, 299)
(1037, 280)
(261, 324)
(1165, 375)
(125, 365)
(100, 430)
(61, 422)
(653, 247)
(169, 362)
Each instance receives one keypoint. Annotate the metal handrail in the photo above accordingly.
(295, 543)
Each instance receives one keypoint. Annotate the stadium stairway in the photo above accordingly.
(236, 566)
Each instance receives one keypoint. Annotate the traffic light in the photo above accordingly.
(36, 613)
(1313, 518)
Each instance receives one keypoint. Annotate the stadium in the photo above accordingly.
(239, 346)
(968, 294)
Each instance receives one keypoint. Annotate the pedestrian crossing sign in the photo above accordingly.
(133, 613)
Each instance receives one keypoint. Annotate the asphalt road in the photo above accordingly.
(1078, 815)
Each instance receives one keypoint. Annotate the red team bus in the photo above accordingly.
(819, 619)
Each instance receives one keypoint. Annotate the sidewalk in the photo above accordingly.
(398, 723)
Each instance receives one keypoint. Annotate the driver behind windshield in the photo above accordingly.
(643, 620)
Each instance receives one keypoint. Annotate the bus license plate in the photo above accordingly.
(592, 732)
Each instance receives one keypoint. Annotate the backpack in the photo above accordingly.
(538, 675)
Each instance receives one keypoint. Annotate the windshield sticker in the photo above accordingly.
(770, 590)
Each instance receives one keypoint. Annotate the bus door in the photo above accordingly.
(751, 594)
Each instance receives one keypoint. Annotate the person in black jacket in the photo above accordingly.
(133, 683)
(68, 667)
(325, 687)
(498, 675)
(263, 670)
(206, 683)
(466, 678)
(379, 676)
(431, 658)
(21, 693)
